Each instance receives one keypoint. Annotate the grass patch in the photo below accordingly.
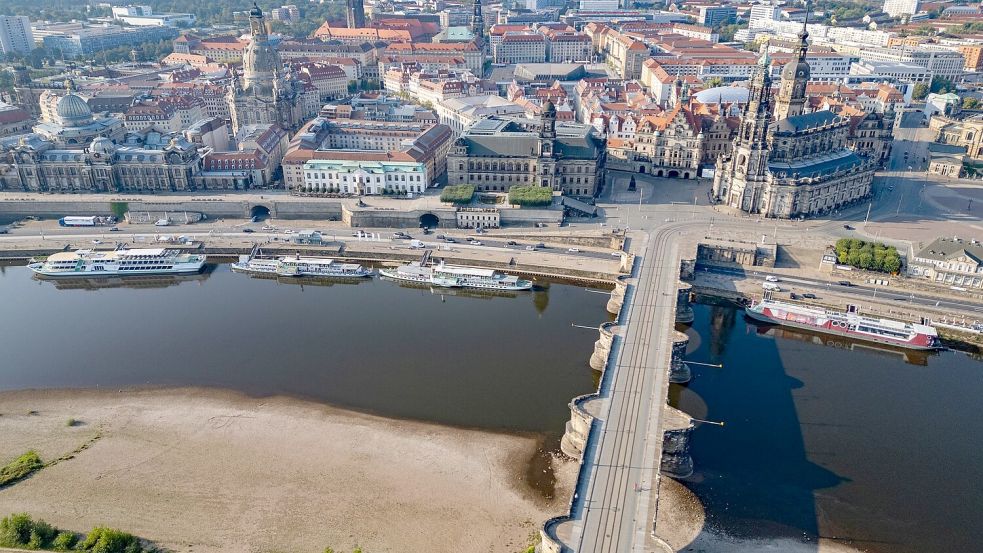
(20, 468)
(457, 194)
(21, 532)
(530, 196)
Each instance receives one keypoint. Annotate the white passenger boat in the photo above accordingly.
(473, 277)
(412, 272)
(300, 266)
(122, 262)
(453, 276)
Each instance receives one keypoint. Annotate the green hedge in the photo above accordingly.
(19, 531)
(530, 195)
(458, 193)
(20, 467)
(868, 255)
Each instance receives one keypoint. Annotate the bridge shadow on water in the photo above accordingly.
(753, 474)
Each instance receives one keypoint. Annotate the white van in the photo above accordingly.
(416, 244)
(771, 287)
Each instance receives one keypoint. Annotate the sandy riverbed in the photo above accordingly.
(209, 471)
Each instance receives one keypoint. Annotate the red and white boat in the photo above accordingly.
(851, 323)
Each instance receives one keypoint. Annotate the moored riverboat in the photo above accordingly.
(299, 266)
(120, 262)
(454, 276)
(850, 323)
(411, 272)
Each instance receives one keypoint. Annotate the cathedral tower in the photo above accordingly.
(795, 75)
(739, 181)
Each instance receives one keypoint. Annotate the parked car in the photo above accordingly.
(114, 229)
(848, 227)
(530, 248)
(771, 286)
(441, 237)
(573, 250)
(474, 242)
(541, 245)
(793, 296)
(618, 253)
(771, 278)
(451, 240)
(845, 283)
(809, 296)
(248, 230)
(511, 243)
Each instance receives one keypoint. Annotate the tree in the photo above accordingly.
(6, 80)
(941, 85)
(714, 82)
(892, 263)
(920, 92)
(968, 102)
(727, 32)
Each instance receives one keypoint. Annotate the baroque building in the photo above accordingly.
(790, 163)
(497, 153)
(265, 94)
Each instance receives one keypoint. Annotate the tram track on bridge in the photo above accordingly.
(610, 526)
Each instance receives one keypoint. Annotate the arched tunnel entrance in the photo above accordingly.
(429, 220)
(259, 212)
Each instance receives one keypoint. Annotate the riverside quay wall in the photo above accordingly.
(60, 206)
(401, 214)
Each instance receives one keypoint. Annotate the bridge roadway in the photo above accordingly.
(622, 489)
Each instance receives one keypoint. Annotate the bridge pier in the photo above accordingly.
(577, 429)
(602, 348)
(679, 371)
(676, 460)
(617, 297)
(684, 311)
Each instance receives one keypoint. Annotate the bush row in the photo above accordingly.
(457, 193)
(530, 195)
(21, 532)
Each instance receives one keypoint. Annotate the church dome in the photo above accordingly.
(102, 145)
(258, 63)
(72, 109)
(549, 108)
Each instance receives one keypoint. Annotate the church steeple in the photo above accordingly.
(478, 22)
(795, 76)
(751, 147)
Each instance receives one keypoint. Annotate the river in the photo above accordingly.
(874, 449)
(497, 362)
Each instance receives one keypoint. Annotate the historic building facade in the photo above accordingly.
(265, 94)
(790, 164)
(497, 153)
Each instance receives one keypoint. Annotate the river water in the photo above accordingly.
(875, 449)
(498, 362)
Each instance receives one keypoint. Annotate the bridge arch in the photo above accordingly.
(259, 212)
(429, 220)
